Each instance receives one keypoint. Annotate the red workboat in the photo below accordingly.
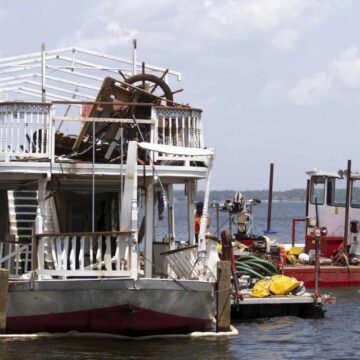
(332, 212)
(333, 204)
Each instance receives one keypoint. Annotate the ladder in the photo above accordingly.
(22, 213)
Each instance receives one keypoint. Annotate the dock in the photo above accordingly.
(289, 305)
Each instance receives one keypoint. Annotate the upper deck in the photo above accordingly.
(72, 112)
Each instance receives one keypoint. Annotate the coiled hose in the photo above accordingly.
(255, 267)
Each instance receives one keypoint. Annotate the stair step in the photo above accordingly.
(24, 217)
(26, 208)
(24, 232)
(22, 202)
(26, 213)
(24, 223)
(24, 237)
(25, 194)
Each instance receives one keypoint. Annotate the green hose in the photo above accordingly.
(260, 267)
(249, 270)
(247, 257)
(255, 259)
(265, 263)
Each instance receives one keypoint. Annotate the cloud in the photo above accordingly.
(264, 15)
(272, 93)
(313, 90)
(347, 68)
(285, 40)
(108, 34)
(277, 21)
(339, 78)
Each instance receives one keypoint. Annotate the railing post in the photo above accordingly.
(51, 136)
(191, 210)
(38, 245)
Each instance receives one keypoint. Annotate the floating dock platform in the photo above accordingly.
(289, 305)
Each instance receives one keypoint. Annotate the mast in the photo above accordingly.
(43, 73)
(347, 206)
(268, 228)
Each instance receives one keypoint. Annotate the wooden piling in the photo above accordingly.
(223, 316)
(4, 281)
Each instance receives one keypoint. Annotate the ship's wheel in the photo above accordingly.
(150, 88)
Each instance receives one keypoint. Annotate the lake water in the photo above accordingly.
(335, 337)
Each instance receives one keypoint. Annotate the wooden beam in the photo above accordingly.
(223, 317)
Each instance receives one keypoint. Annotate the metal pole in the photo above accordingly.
(230, 221)
(121, 171)
(217, 220)
(134, 56)
(317, 261)
(43, 74)
(93, 181)
(347, 207)
(270, 196)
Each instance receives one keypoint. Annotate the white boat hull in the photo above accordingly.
(119, 306)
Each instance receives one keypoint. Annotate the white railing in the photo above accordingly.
(15, 257)
(177, 127)
(185, 263)
(82, 254)
(25, 130)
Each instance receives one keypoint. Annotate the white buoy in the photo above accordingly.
(304, 258)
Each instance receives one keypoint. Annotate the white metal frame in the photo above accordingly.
(26, 74)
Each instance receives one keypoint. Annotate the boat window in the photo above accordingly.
(317, 189)
(355, 193)
(336, 192)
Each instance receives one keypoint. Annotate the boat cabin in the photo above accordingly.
(90, 155)
(326, 208)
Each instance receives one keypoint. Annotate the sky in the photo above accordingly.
(278, 80)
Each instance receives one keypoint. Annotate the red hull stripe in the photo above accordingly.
(329, 275)
(124, 319)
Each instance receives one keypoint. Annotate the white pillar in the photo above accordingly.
(204, 216)
(202, 251)
(171, 216)
(191, 210)
(149, 227)
(41, 221)
(129, 211)
(42, 197)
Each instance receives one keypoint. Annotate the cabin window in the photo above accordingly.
(336, 191)
(317, 189)
(355, 193)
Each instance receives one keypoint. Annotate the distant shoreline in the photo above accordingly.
(293, 195)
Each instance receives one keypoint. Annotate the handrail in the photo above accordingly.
(27, 130)
(82, 253)
(14, 242)
(95, 233)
